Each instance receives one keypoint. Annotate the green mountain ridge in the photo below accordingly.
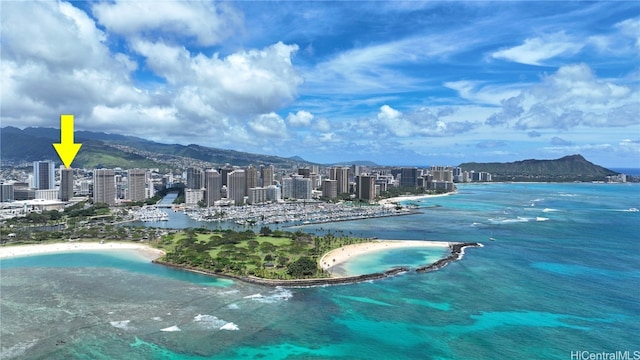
(112, 150)
(568, 168)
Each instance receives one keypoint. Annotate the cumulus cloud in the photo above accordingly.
(571, 97)
(244, 83)
(206, 22)
(54, 60)
(534, 51)
(270, 125)
(394, 121)
(300, 118)
(422, 122)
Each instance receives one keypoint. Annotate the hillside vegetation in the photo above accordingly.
(568, 168)
(112, 150)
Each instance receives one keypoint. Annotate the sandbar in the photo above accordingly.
(8, 251)
(343, 254)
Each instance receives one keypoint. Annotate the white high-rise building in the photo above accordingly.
(44, 177)
(236, 186)
(104, 186)
(212, 186)
(302, 188)
(136, 179)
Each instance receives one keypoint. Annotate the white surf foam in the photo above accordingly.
(171, 329)
(209, 321)
(233, 306)
(123, 324)
(254, 296)
(549, 210)
(518, 219)
(539, 218)
(157, 318)
(16, 350)
(276, 295)
(230, 326)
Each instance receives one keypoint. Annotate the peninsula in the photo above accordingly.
(281, 258)
(273, 259)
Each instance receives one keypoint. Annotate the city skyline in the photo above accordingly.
(408, 83)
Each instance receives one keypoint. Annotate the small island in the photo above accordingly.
(280, 258)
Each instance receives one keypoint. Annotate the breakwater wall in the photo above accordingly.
(457, 251)
(293, 282)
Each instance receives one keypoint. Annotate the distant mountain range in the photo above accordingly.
(111, 150)
(568, 168)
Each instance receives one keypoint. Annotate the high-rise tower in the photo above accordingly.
(212, 185)
(236, 185)
(266, 173)
(194, 178)
(137, 184)
(66, 184)
(104, 186)
(251, 173)
(44, 177)
(341, 175)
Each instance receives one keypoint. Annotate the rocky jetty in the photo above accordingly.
(457, 251)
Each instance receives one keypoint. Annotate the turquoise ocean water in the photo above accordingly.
(562, 275)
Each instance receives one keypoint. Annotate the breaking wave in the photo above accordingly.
(171, 329)
(275, 295)
(123, 324)
(211, 322)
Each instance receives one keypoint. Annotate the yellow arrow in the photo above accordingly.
(66, 149)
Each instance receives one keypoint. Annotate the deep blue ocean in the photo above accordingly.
(559, 275)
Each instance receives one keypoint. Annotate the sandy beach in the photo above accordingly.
(343, 254)
(36, 249)
(398, 199)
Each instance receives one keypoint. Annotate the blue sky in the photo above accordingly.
(398, 83)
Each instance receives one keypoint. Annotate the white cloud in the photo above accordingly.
(478, 92)
(244, 83)
(570, 97)
(270, 125)
(378, 68)
(394, 121)
(630, 28)
(54, 61)
(322, 125)
(204, 21)
(421, 122)
(301, 118)
(138, 118)
(535, 51)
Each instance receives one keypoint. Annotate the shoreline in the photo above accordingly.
(456, 253)
(154, 255)
(398, 199)
(341, 255)
(12, 251)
